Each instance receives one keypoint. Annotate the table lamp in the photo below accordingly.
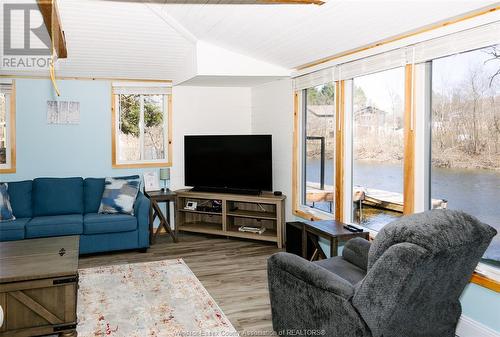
(164, 175)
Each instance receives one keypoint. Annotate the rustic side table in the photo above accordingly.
(331, 230)
(157, 197)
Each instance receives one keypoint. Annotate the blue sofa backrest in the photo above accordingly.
(57, 196)
(92, 194)
(20, 193)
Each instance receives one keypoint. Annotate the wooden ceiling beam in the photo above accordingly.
(52, 21)
(232, 2)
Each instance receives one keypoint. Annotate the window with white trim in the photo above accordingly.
(6, 128)
(141, 125)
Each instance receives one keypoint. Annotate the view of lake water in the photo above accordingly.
(476, 192)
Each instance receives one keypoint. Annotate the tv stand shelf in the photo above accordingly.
(264, 210)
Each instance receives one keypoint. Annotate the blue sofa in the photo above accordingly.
(46, 207)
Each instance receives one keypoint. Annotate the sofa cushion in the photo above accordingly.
(20, 198)
(348, 271)
(13, 230)
(92, 194)
(55, 225)
(57, 196)
(94, 223)
(5, 208)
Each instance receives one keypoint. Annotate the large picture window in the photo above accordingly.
(141, 127)
(378, 147)
(319, 147)
(411, 129)
(465, 169)
(7, 128)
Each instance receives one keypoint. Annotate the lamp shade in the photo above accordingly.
(165, 174)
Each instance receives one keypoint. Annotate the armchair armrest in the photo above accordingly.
(141, 212)
(356, 252)
(307, 297)
(310, 273)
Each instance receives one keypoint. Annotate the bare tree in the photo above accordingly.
(494, 53)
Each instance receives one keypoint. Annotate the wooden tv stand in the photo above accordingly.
(265, 210)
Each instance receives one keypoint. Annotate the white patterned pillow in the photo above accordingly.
(119, 195)
(5, 207)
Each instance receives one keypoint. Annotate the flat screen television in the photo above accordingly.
(229, 163)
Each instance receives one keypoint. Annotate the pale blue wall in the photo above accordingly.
(45, 150)
(482, 305)
(63, 150)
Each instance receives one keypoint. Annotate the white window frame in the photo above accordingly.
(142, 90)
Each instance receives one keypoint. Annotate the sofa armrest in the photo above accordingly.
(141, 212)
(356, 252)
(310, 273)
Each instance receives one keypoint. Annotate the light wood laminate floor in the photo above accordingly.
(233, 271)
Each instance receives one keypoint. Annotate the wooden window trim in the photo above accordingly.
(409, 142)
(296, 161)
(115, 164)
(12, 131)
(339, 150)
(485, 282)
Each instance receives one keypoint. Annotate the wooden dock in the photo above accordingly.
(368, 196)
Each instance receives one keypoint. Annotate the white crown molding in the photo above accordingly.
(467, 327)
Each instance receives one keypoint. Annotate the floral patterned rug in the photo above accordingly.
(162, 298)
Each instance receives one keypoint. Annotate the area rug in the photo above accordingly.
(162, 298)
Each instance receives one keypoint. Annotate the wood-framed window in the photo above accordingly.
(316, 151)
(442, 116)
(8, 127)
(141, 125)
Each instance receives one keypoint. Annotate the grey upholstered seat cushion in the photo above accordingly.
(348, 271)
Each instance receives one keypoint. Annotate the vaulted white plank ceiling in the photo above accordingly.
(154, 40)
(294, 35)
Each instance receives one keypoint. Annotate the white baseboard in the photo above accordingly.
(467, 327)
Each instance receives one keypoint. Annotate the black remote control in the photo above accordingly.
(353, 229)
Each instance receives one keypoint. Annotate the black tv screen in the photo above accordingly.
(242, 162)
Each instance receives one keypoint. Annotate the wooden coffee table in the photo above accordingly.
(38, 286)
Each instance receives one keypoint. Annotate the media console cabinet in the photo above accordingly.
(265, 210)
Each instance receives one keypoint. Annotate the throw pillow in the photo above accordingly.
(119, 195)
(5, 207)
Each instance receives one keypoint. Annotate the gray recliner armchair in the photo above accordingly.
(407, 283)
